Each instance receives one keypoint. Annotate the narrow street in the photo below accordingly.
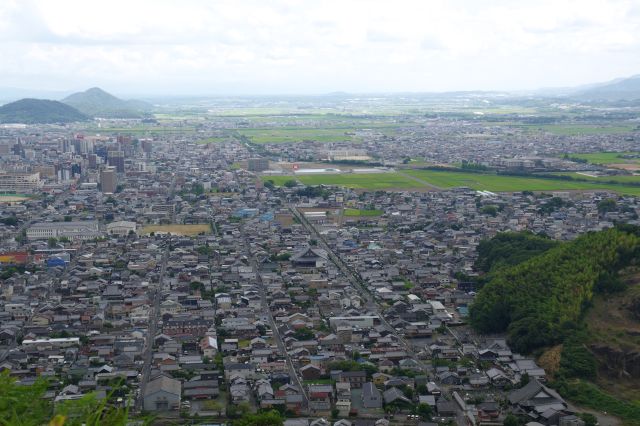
(276, 334)
(356, 281)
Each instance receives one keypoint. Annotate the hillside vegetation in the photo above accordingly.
(39, 111)
(509, 249)
(95, 102)
(540, 302)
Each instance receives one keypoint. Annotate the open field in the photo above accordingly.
(214, 139)
(608, 157)
(584, 129)
(619, 178)
(372, 181)
(297, 134)
(13, 198)
(502, 183)
(358, 213)
(177, 229)
(142, 129)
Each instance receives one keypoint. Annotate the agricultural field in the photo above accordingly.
(372, 181)
(609, 157)
(616, 178)
(177, 229)
(141, 129)
(362, 213)
(214, 139)
(498, 183)
(297, 134)
(584, 129)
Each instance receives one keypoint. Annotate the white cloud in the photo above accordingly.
(315, 46)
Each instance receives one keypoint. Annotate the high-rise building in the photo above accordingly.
(258, 164)
(116, 159)
(93, 161)
(108, 180)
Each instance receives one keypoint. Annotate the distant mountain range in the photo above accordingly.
(626, 89)
(95, 102)
(39, 111)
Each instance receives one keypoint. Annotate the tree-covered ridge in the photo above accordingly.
(39, 111)
(539, 301)
(510, 248)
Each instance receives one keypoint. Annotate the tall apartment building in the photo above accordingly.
(116, 159)
(258, 164)
(19, 182)
(108, 180)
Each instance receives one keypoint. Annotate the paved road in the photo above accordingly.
(276, 334)
(422, 181)
(154, 317)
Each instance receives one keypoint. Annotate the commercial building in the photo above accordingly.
(116, 159)
(258, 164)
(81, 230)
(108, 180)
(122, 228)
(19, 182)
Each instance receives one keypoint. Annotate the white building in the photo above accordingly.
(122, 228)
(82, 230)
(19, 182)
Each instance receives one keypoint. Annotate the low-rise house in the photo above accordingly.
(162, 394)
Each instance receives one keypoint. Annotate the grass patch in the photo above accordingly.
(591, 396)
(606, 178)
(361, 181)
(374, 181)
(278, 180)
(358, 212)
(177, 229)
(504, 183)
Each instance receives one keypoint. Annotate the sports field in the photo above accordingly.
(372, 181)
(177, 229)
(501, 183)
(359, 213)
(13, 198)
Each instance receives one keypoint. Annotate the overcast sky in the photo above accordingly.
(315, 46)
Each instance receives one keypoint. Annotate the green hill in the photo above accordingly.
(509, 249)
(540, 301)
(39, 111)
(95, 102)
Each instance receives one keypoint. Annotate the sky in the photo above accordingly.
(191, 47)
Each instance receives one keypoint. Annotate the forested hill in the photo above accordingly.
(540, 301)
(39, 111)
(509, 249)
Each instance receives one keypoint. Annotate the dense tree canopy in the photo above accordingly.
(510, 248)
(538, 301)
